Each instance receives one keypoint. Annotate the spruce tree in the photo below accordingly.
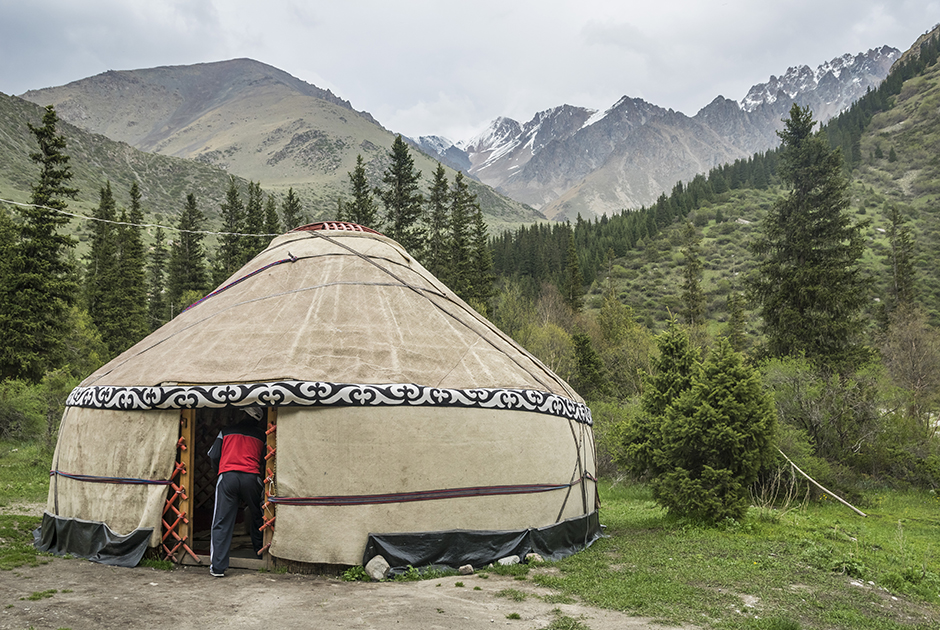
(670, 376)
(132, 261)
(292, 210)
(459, 267)
(9, 251)
(481, 260)
(101, 272)
(573, 283)
(715, 438)
(230, 253)
(589, 379)
(272, 222)
(403, 200)
(900, 261)
(362, 208)
(254, 224)
(737, 331)
(42, 284)
(807, 281)
(438, 248)
(186, 274)
(156, 293)
(693, 298)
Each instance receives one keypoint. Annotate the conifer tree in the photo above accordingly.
(42, 283)
(254, 224)
(272, 223)
(438, 248)
(230, 253)
(101, 269)
(459, 268)
(362, 208)
(403, 200)
(693, 298)
(158, 304)
(9, 251)
(715, 438)
(589, 379)
(670, 375)
(807, 281)
(293, 211)
(900, 261)
(573, 288)
(737, 333)
(132, 296)
(186, 273)
(481, 260)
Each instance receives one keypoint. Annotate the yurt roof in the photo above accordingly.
(331, 305)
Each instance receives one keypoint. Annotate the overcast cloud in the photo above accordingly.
(426, 67)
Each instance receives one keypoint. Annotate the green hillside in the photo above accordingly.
(164, 181)
(893, 135)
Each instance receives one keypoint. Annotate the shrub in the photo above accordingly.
(22, 410)
(716, 437)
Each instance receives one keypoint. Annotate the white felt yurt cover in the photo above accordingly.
(323, 321)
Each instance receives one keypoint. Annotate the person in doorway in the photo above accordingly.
(239, 451)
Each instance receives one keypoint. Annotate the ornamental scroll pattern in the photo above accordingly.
(323, 394)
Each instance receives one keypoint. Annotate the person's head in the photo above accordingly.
(251, 415)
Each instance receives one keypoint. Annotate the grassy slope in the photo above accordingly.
(815, 566)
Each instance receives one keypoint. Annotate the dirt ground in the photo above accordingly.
(94, 596)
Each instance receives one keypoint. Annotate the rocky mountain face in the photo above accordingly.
(571, 160)
(828, 89)
(248, 118)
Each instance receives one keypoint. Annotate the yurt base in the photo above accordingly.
(241, 559)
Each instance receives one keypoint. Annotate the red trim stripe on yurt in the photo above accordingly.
(342, 226)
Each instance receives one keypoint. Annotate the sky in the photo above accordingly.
(440, 67)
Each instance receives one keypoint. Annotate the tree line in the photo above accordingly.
(444, 229)
(59, 313)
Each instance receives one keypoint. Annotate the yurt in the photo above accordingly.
(400, 422)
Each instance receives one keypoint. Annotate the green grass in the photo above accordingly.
(24, 478)
(37, 595)
(16, 542)
(24, 472)
(511, 593)
(817, 567)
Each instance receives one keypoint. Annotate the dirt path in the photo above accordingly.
(96, 596)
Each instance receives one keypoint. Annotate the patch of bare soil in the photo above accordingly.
(89, 595)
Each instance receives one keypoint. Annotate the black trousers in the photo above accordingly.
(231, 489)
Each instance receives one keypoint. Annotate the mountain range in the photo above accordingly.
(571, 160)
(249, 119)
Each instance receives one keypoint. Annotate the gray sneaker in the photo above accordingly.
(213, 573)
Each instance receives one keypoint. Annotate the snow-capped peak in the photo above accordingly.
(857, 69)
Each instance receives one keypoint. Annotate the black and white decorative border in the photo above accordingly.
(322, 394)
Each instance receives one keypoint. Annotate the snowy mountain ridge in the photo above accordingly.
(803, 79)
(568, 161)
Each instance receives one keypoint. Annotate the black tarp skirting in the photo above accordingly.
(458, 547)
(92, 540)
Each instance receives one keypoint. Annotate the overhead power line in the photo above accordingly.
(153, 225)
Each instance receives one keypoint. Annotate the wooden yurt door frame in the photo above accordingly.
(178, 526)
(177, 512)
(270, 486)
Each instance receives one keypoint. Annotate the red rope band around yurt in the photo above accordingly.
(426, 495)
(116, 480)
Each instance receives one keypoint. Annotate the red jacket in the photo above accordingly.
(240, 448)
